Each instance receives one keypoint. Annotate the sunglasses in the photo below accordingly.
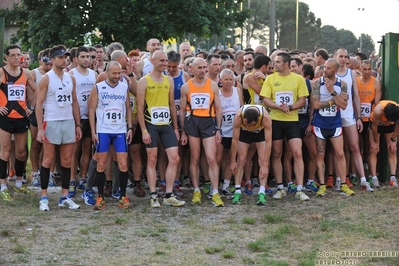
(46, 59)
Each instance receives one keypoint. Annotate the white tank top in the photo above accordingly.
(230, 105)
(147, 67)
(348, 112)
(84, 84)
(111, 107)
(38, 76)
(58, 97)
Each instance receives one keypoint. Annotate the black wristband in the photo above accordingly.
(130, 128)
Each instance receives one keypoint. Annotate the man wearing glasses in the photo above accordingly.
(14, 117)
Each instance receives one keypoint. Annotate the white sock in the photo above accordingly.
(375, 177)
(3, 187)
(310, 181)
(197, 190)
(363, 179)
(226, 184)
(238, 189)
(215, 191)
(299, 188)
(261, 190)
(289, 183)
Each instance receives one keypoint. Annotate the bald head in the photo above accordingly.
(197, 61)
(117, 55)
(113, 64)
(332, 62)
(158, 54)
(261, 49)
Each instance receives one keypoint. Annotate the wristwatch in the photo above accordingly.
(334, 93)
(393, 139)
(290, 106)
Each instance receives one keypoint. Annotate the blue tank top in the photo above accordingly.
(330, 117)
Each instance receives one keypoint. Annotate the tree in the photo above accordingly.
(308, 30)
(131, 22)
(331, 39)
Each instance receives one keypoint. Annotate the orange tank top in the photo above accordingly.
(384, 120)
(200, 100)
(367, 98)
(13, 94)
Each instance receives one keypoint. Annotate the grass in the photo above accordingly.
(286, 232)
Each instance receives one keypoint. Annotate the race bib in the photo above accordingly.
(304, 109)
(200, 100)
(16, 92)
(64, 98)
(160, 115)
(286, 97)
(365, 109)
(113, 116)
(177, 104)
(329, 111)
(228, 117)
(84, 96)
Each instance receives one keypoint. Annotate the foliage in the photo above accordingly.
(131, 22)
(308, 29)
(331, 39)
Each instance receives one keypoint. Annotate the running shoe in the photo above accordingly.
(88, 197)
(268, 191)
(177, 191)
(354, 180)
(348, 182)
(82, 184)
(35, 179)
(68, 202)
(207, 187)
(172, 201)
(236, 198)
(374, 182)
(43, 205)
(366, 186)
(312, 187)
(108, 190)
(124, 203)
(51, 181)
(154, 203)
(301, 196)
(393, 182)
(116, 194)
(330, 181)
(346, 191)
(261, 199)
(248, 189)
(186, 182)
(100, 204)
(255, 182)
(139, 190)
(292, 188)
(217, 200)
(5, 195)
(280, 194)
(338, 185)
(322, 190)
(23, 190)
(227, 194)
(196, 197)
(162, 189)
(72, 189)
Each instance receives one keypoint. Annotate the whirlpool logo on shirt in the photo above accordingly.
(277, 84)
(107, 96)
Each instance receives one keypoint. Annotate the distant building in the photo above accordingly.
(9, 29)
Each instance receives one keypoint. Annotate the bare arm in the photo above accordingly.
(138, 71)
(356, 98)
(183, 104)
(92, 105)
(377, 87)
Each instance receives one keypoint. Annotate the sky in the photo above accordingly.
(376, 18)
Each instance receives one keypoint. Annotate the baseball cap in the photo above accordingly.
(59, 52)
